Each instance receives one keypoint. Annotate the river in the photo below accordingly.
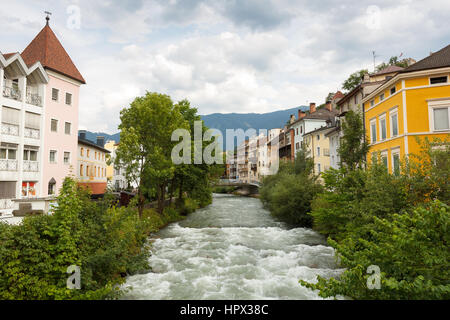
(233, 249)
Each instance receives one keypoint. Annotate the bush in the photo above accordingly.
(289, 193)
(411, 251)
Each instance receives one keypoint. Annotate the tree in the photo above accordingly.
(393, 61)
(353, 147)
(145, 147)
(354, 80)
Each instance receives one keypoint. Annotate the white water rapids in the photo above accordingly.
(233, 249)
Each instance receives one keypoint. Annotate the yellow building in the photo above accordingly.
(111, 145)
(318, 148)
(413, 103)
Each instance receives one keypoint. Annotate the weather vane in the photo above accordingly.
(48, 15)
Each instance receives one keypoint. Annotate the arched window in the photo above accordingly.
(81, 170)
(51, 186)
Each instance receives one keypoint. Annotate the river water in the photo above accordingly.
(233, 249)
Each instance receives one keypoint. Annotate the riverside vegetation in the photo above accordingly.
(107, 242)
(398, 222)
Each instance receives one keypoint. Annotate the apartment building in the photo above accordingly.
(115, 174)
(415, 103)
(92, 166)
(353, 101)
(318, 148)
(22, 125)
(61, 96)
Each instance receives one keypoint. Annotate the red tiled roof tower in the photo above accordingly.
(47, 49)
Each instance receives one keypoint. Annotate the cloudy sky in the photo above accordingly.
(223, 55)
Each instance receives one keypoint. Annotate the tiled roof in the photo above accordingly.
(389, 69)
(439, 59)
(47, 49)
(7, 55)
(338, 95)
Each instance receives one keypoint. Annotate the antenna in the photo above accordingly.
(374, 56)
(48, 13)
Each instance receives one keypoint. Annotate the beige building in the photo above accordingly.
(318, 148)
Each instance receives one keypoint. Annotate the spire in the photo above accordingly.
(47, 49)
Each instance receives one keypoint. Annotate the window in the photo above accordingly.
(392, 90)
(51, 187)
(29, 155)
(373, 130)
(383, 127)
(441, 118)
(87, 170)
(319, 168)
(396, 162)
(52, 156)
(381, 97)
(67, 127)
(54, 125)
(394, 123)
(297, 145)
(372, 103)
(81, 170)
(68, 98)
(82, 151)
(296, 131)
(437, 80)
(318, 137)
(28, 189)
(55, 94)
(384, 159)
(87, 153)
(95, 155)
(356, 99)
(8, 152)
(66, 157)
(301, 129)
(7, 189)
(318, 151)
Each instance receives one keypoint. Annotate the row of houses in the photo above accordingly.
(39, 142)
(398, 105)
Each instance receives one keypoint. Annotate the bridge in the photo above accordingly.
(237, 183)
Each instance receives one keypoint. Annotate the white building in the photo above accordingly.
(22, 121)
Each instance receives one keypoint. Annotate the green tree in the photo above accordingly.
(353, 146)
(393, 61)
(354, 80)
(145, 147)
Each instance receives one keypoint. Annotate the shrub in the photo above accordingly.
(411, 251)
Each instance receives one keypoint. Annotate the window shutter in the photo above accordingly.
(32, 120)
(10, 115)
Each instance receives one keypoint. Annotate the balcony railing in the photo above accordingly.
(32, 133)
(9, 129)
(12, 93)
(30, 166)
(34, 99)
(6, 204)
(8, 165)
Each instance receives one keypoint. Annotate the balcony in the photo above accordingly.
(32, 133)
(9, 129)
(12, 93)
(34, 99)
(6, 204)
(8, 165)
(30, 166)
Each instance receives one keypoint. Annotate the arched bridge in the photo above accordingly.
(237, 183)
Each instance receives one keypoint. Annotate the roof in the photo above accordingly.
(338, 95)
(92, 144)
(439, 59)
(320, 129)
(47, 49)
(7, 55)
(389, 69)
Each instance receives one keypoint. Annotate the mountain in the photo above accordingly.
(221, 121)
(276, 119)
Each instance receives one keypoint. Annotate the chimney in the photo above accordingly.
(329, 106)
(312, 107)
(292, 119)
(366, 78)
(101, 141)
(82, 134)
(301, 114)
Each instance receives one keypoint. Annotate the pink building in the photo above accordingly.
(60, 136)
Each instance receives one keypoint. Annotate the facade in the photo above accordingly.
(114, 174)
(353, 101)
(22, 125)
(415, 103)
(91, 169)
(39, 121)
(318, 148)
(61, 108)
